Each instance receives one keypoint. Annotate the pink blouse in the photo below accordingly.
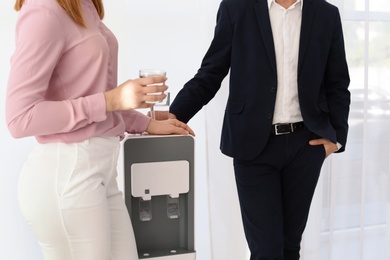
(59, 71)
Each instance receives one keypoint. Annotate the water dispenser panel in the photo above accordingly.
(160, 178)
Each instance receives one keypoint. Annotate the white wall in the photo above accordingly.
(16, 240)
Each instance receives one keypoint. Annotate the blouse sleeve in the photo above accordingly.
(40, 41)
(135, 121)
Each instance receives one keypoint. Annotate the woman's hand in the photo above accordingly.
(170, 126)
(134, 94)
(161, 114)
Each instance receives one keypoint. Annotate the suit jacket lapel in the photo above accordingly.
(262, 14)
(308, 13)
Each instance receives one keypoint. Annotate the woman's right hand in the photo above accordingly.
(134, 94)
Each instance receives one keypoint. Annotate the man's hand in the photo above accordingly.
(171, 116)
(328, 145)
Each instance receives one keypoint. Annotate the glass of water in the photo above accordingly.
(160, 110)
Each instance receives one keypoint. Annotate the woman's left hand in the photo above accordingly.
(170, 126)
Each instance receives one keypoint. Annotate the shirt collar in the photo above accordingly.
(270, 2)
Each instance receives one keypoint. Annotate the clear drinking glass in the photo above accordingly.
(160, 110)
(143, 73)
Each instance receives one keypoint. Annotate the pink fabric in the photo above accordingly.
(59, 71)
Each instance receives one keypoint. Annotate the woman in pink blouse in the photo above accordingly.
(63, 90)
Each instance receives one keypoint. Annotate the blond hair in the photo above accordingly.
(73, 8)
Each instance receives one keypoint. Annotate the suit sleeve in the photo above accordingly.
(336, 83)
(215, 66)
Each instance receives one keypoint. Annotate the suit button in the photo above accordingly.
(273, 90)
(269, 116)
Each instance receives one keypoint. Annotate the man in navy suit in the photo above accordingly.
(287, 110)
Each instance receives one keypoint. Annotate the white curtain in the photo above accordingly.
(351, 213)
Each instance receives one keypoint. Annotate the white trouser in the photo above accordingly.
(69, 195)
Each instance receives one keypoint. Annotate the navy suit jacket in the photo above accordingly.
(243, 44)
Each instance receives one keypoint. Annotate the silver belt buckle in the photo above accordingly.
(277, 132)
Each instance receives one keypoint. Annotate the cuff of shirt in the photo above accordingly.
(97, 108)
(338, 146)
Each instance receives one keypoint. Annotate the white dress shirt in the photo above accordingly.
(286, 28)
(286, 31)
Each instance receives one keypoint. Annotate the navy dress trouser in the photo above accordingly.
(275, 192)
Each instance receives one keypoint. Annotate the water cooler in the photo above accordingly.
(159, 195)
